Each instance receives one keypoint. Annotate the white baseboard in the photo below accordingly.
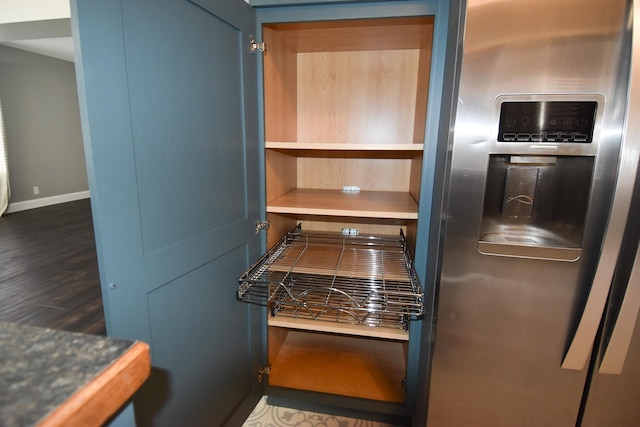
(47, 201)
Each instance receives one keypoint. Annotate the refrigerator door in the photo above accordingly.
(504, 321)
(617, 350)
(583, 339)
(611, 398)
(620, 339)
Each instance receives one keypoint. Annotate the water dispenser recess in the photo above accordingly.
(519, 190)
(535, 206)
(520, 184)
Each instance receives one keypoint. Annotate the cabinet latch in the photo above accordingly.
(262, 225)
(264, 371)
(255, 46)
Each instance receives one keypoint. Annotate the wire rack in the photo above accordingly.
(365, 280)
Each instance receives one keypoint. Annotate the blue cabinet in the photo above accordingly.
(191, 138)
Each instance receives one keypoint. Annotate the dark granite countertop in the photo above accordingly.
(41, 368)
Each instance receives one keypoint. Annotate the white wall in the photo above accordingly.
(44, 27)
(33, 10)
(44, 136)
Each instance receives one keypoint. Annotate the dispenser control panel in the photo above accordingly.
(547, 121)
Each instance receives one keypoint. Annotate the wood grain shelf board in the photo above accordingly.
(367, 204)
(339, 328)
(342, 146)
(349, 366)
(354, 35)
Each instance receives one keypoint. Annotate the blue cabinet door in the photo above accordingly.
(167, 93)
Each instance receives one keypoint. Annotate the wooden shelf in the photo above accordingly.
(329, 363)
(339, 328)
(331, 146)
(357, 35)
(370, 204)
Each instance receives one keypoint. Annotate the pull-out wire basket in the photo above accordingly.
(364, 280)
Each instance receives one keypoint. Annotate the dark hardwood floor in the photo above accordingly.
(49, 270)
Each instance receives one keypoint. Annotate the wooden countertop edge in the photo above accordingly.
(98, 400)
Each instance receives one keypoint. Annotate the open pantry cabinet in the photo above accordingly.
(169, 93)
(345, 109)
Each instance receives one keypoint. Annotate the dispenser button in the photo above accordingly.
(580, 137)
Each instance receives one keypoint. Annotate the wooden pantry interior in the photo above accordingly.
(345, 113)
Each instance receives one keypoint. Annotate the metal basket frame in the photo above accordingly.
(363, 280)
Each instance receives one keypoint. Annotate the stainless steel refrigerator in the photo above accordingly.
(538, 291)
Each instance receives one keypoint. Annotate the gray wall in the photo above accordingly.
(42, 123)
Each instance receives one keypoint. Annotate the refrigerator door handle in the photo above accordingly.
(583, 340)
(618, 346)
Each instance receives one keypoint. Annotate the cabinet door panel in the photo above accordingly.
(167, 94)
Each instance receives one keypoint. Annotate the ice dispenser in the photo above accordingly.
(535, 205)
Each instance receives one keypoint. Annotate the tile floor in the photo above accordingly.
(265, 415)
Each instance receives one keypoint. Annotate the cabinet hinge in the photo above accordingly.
(255, 46)
(264, 371)
(262, 225)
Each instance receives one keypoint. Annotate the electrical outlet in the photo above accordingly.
(36, 190)
(351, 188)
(350, 231)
